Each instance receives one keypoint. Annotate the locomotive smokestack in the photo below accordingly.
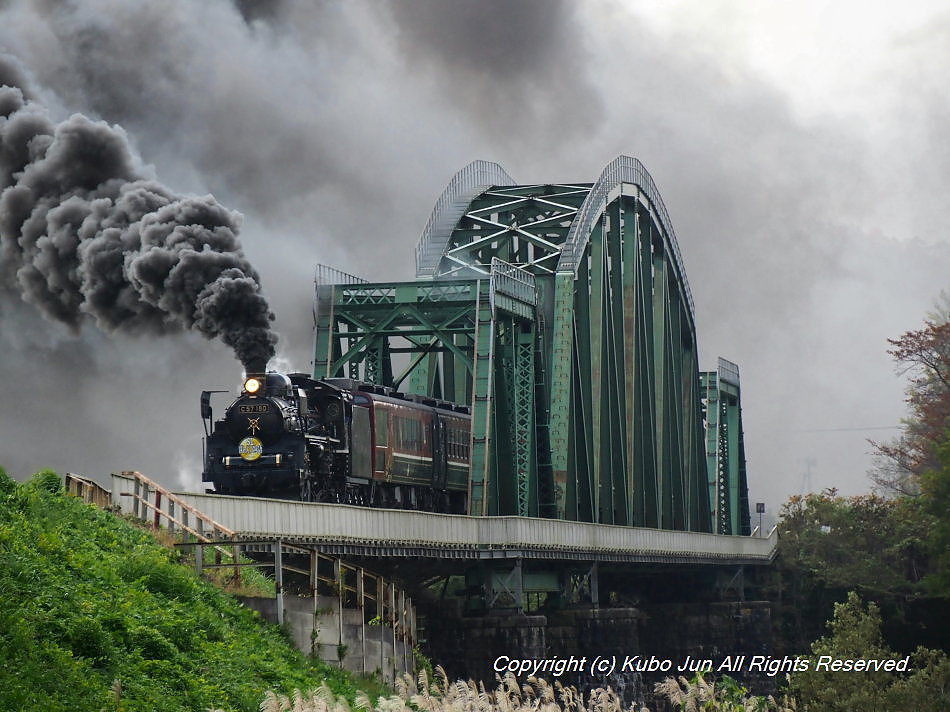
(83, 232)
(255, 368)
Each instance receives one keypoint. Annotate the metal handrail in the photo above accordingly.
(622, 169)
(172, 498)
(143, 487)
(472, 180)
(728, 371)
(324, 274)
(512, 281)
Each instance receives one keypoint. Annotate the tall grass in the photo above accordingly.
(724, 695)
(534, 695)
(441, 695)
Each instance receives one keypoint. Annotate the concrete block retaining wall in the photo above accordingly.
(316, 630)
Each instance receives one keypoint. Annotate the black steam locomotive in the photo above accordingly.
(338, 440)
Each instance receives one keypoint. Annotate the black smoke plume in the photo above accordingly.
(82, 232)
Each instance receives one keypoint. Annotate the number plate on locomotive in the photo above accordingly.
(262, 408)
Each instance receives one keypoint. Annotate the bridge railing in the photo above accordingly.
(473, 179)
(456, 536)
(324, 274)
(368, 592)
(88, 490)
(147, 500)
(622, 169)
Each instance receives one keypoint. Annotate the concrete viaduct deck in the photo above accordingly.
(360, 531)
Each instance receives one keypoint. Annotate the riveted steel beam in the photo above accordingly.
(561, 313)
(728, 498)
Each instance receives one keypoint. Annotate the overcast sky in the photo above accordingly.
(800, 148)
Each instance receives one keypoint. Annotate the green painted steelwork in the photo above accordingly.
(561, 313)
(725, 450)
(461, 338)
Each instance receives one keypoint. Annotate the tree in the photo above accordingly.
(935, 498)
(856, 634)
(918, 464)
(924, 354)
(830, 545)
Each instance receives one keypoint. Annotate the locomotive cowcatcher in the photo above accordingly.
(338, 440)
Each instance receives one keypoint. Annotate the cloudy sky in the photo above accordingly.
(800, 149)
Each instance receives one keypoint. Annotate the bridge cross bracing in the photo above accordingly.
(725, 449)
(561, 313)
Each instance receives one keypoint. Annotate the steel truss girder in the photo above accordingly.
(355, 323)
(725, 450)
(522, 225)
(625, 412)
(584, 387)
(469, 341)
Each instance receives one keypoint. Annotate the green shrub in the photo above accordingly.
(7, 484)
(87, 598)
(48, 481)
(87, 639)
(151, 568)
(855, 632)
(151, 644)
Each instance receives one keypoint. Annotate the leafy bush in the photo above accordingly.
(87, 639)
(151, 568)
(47, 480)
(7, 484)
(935, 496)
(94, 614)
(723, 695)
(152, 645)
(830, 545)
(855, 634)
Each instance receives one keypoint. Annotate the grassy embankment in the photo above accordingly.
(95, 614)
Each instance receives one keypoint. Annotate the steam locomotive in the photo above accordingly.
(338, 440)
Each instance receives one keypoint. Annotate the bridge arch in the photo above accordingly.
(561, 312)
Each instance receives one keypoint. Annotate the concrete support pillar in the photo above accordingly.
(158, 507)
(361, 605)
(395, 618)
(594, 586)
(381, 615)
(185, 535)
(402, 628)
(279, 580)
(199, 549)
(314, 592)
(519, 587)
(236, 553)
(340, 589)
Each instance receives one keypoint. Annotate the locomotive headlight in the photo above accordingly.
(252, 385)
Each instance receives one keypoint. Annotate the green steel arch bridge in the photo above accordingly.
(562, 314)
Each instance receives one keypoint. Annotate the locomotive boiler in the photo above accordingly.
(338, 440)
